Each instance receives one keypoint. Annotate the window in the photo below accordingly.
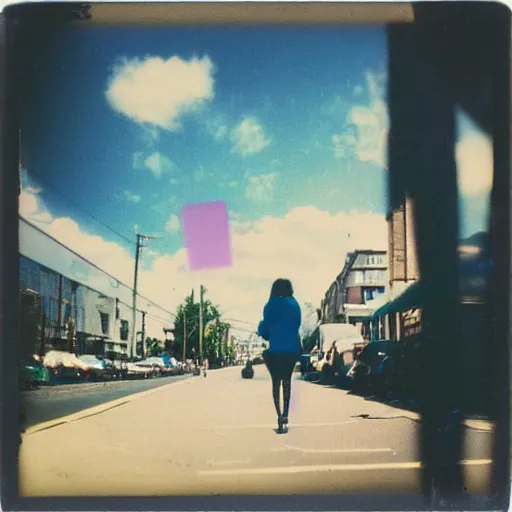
(368, 294)
(124, 330)
(370, 260)
(358, 277)
(104, 323)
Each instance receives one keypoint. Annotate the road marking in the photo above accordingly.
(330, 467)
(273, 425)
(348, 450)
(98, 409)
(227, 462)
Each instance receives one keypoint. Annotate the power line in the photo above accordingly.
(80, 207)
(238, 321)
(158, 319)
(164, 324)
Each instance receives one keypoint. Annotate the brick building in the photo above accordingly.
(403, 262)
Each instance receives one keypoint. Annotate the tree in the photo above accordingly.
(187, 316)
(232, 349)
(214, 338)
(153, 347)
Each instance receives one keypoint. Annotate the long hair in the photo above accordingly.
(282, 288)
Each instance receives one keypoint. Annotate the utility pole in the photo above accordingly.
(184, 335)
(201, 329)
(138, 247)
(143, 332)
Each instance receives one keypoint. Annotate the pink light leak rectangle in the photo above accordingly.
(207, 235)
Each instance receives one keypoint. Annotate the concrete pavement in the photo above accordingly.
(47, 405)
(215, 435)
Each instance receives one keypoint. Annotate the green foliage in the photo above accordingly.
(187, 315)
(154, 347)
(216, 340)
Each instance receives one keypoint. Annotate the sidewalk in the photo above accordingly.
(180, 439)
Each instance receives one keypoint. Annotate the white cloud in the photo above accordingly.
(155, 162)
(261, 188)
(249, 137)
(308, 246)
(366, 135)
(474, 156)
(32, 208)
(131, 197)
(173, 224)
(158, 92)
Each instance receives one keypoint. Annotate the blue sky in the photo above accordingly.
(287, 125)
(287, 80)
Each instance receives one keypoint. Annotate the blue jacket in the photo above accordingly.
(280, 324)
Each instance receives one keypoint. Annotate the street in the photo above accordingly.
(49, 403)
(215, 435)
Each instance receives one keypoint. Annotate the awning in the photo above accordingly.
(474, 275)
(411, 298)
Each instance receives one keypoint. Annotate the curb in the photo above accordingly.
(98, 409)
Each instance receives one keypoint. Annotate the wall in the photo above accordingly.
(403, 263)
(371, 259)
(367, 277)
(355, 295)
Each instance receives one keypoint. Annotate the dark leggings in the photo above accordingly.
(280, 366)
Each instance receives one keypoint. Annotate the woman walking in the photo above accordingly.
(280, 327)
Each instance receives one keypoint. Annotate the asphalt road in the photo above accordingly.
(216, 436)
(49, 403)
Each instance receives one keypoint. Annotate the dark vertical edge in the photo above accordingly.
(9, 268)
(433, 185)
(421, 157)
(501, 285)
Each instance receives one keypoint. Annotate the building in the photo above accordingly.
(403, 262)
(390, 322)
(74, 305)
(362, 280)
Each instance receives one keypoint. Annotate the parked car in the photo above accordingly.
(121, 368)
(373, 372)
(334, 340)
(135, 371)
(343, 362)
(64, 367)
(151, 367)
(98, 368)
(177, 367)
(35, 374)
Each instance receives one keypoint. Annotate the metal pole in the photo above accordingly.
(134, 297)
(201, 296)
(143, 331)
(184, 335)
